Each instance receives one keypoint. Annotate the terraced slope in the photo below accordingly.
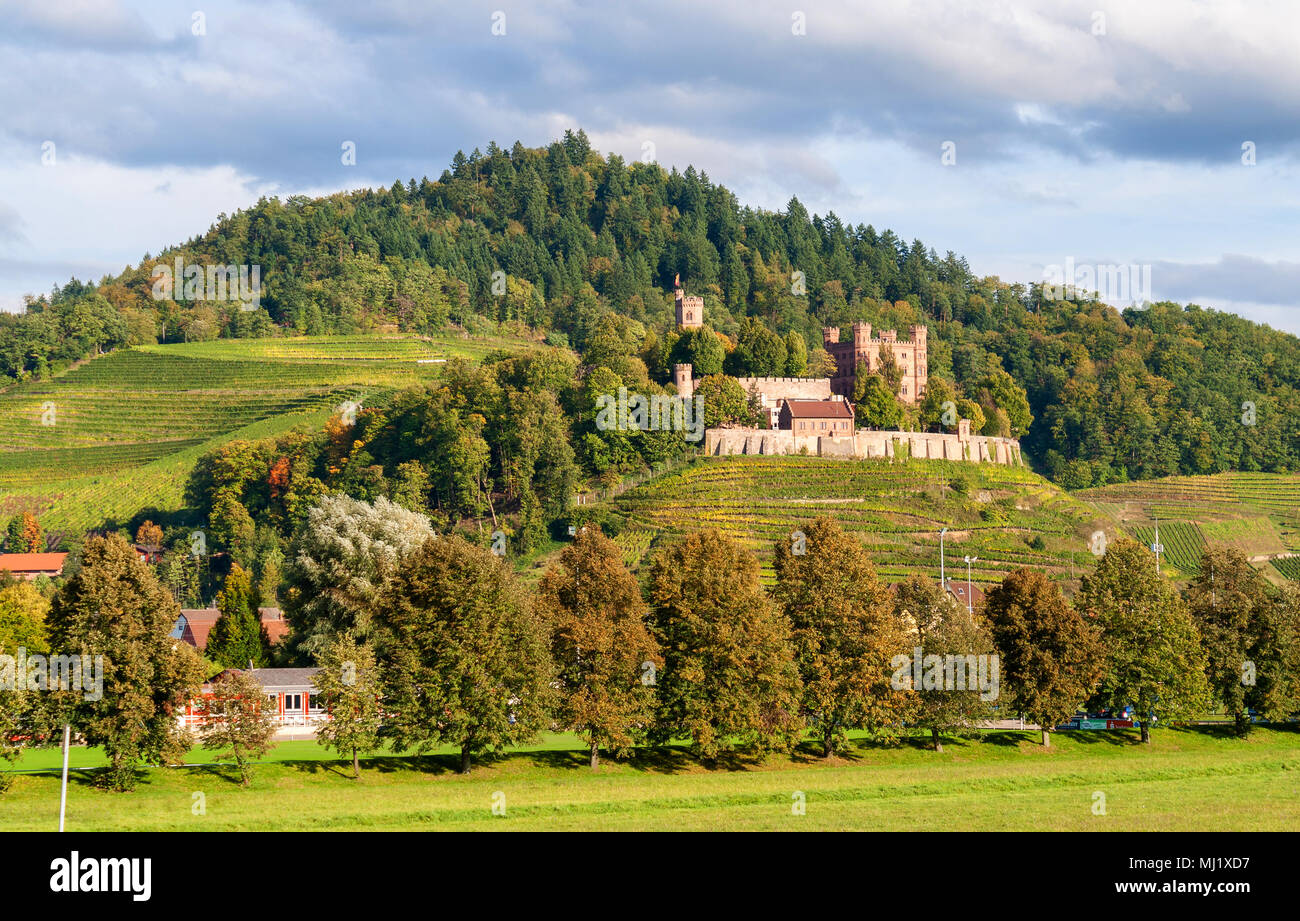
(1256, 513)
(120, 433)
(1008, 517)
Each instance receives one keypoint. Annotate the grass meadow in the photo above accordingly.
(1193, 779)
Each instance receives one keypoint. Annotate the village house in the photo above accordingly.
(194, 625)
(31, 565)
(957, 589)
(290, 693)
(148, 553)
(826, 418)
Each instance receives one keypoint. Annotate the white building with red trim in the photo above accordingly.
(290, 692)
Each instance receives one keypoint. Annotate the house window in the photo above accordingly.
(315, 704)
(292, 703)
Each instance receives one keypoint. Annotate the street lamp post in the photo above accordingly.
(63, 790)
(970, 607)
(943, 582)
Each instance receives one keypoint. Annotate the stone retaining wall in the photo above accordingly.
(865, 444)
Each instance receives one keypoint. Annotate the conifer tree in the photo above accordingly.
(237, 639)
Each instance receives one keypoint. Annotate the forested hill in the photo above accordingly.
(579, 237)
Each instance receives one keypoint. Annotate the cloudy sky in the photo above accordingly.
(1022, 135)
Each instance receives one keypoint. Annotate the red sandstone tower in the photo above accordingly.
(690, 308)
(911, 356)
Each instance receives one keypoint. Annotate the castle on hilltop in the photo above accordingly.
(690, 307)
(911, 357)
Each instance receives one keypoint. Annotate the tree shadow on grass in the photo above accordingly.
(382, 764)
(669, 759)
(1006, 738)
(673, 759)
(811, 751)
(227, 772)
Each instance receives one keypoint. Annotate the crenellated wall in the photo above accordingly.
(925, 445)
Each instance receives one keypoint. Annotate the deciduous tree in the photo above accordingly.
(943, 628)
(1049, 654)
(606, 661)
(729, 674)
(338, 561)
(468, 659)
(237, 721)
(350, 687)
(844, 631)
(1234, 619)
(114, 607)
(1152, 652)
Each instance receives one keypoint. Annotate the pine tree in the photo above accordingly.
(729, 674)
(1049, 654)
(468, 662)
(1152, 652)
(114, 607)
(605, 658)
(237, 639)
(16, 540)
(844, 631)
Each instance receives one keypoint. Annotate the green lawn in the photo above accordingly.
(1193, 779)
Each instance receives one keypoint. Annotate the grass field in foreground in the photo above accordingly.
(1187, 779)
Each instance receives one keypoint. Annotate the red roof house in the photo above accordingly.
(194, 625)
(30, 565)
(832, 418)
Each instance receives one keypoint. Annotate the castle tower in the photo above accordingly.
(863, 351)
(682, 377)
(920, 359)
(689, 307)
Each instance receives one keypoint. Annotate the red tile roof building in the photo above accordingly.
(30, 565)
(194, 625)
(831, 418)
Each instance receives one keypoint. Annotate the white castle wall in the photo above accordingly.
(864, 444)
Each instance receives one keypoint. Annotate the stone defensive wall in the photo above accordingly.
(865, 444)
(789, 388)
